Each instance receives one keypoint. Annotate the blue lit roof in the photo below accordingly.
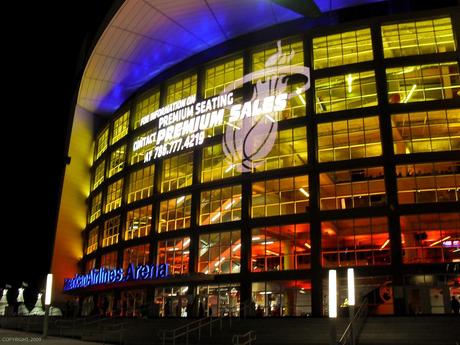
(145, 37)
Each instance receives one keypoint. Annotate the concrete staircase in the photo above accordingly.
(411, 330)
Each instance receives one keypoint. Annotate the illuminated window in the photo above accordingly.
(109, 260)
(280, 196)
(221, 299)
(222, 75)
(174, 252)
(102, 143)
(292, 55)
(216, 165)
(423, 82)
(148, 104)
(140, 184)
(348, 139)
(355, 242)
(96, 206)
(342, 49)
(111, 231)
(289, 150)
(138, 222)
(175, 213)
(427, 131)
(138, 255)
(220, 205)
(217, 130)
(98, 177)
(181, 89)
(349, 91)
(352, 188)
(431, 238)
(279, 248)
(282, 298)
(140, 146)
(428, 182)
(220, 253)
(120, 128)
(177, 172)
(90, 265)
(416, 38)
(113, 197)
(117, 161)
(92, 240)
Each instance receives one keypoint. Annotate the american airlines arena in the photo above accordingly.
(226, 154)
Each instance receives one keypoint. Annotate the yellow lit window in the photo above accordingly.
(111, 231)
(349, 91)
(220, 253)
(92, 240)
(102, 143)
(416, 38)
(140, 184)
(222, 75)
(427, 131)
(181, 89)
(423, 82)
(117, 161)
(280, 196)
(220, 205)
(292, 55)
(120, 128)
(146, 105)
(174, 252)
(348, 139)
(175, 213)
(98, 175)
(342, 49)
(138, 151)
(138, 222)
(428, 182)
(216, 166)
(352, 188)
(177, 172)
(96, 206)
(113, 197)
(289, 149)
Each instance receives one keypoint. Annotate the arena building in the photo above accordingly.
(226, 154)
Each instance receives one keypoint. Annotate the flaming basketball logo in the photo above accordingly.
(251, 139)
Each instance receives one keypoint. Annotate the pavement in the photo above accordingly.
(8, 336)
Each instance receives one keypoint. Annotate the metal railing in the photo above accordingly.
(244, 339)
(197, 325)
(355, 326)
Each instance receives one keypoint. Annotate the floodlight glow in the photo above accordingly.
(351, 286)
(332, 293)
(49, 288)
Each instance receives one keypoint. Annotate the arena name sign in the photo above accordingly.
(103, 276)
(182, 124)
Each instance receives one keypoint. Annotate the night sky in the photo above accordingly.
(44, 42)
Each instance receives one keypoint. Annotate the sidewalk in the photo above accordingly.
(8, 336)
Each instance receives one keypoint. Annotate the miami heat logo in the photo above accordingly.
(252, 128)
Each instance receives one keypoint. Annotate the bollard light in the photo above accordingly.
(351, 286)
(332, 293)
(49, 288)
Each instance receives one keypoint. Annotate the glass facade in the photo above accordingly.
(352, 166)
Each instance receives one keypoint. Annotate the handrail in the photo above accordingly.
(197, 325)
(354, 327)
(251, 336)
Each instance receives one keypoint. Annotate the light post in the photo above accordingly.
(48, 291)
(351, 301)
(332, 307)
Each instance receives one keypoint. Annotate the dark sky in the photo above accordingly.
(43, 43)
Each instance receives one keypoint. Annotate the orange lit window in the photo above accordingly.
(220, 253)
(109, 260)
(92, 240)
(279, 248)
(138, 255)
(174, 252)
